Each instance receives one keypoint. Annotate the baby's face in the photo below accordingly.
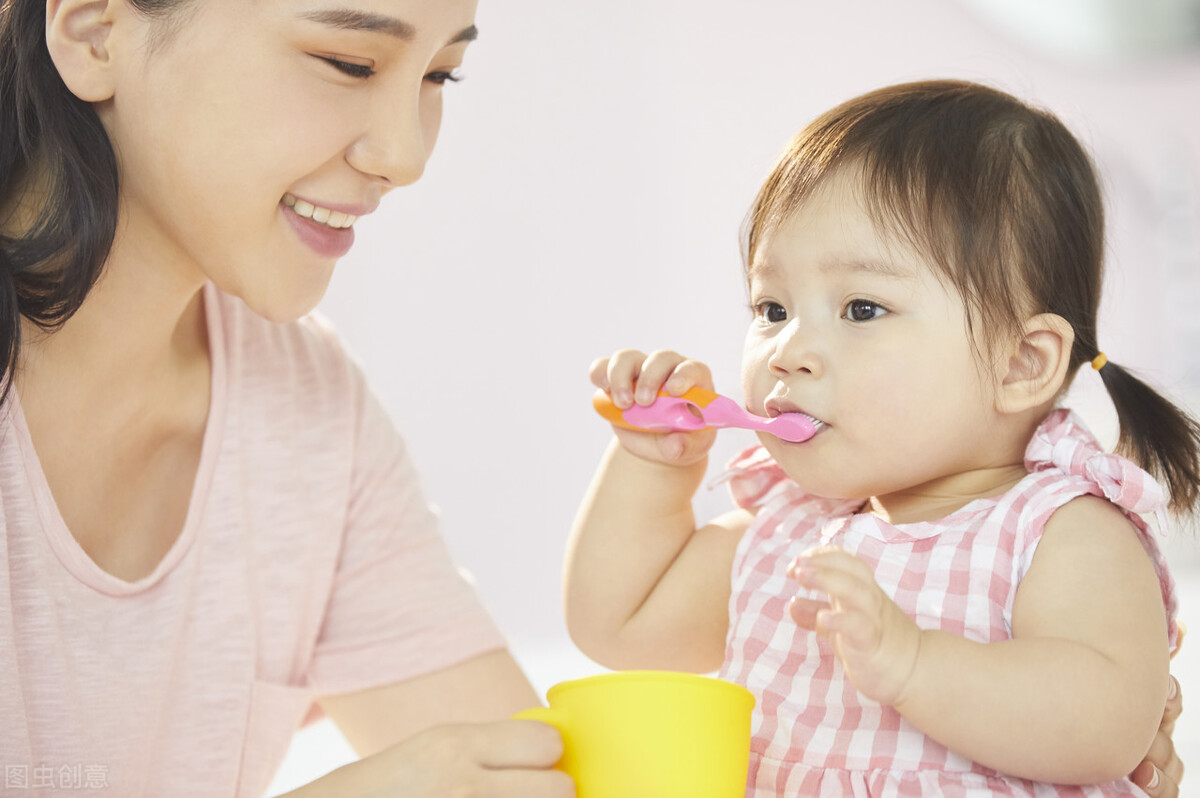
(854, 327)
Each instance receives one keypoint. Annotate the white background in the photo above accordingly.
(586, 195)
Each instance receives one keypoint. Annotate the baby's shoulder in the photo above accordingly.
(1090, 520)
(1092, 558)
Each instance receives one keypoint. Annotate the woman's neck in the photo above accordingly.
(140, 332)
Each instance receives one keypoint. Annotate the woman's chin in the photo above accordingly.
(282, 305)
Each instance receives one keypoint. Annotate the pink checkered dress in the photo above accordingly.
(813, 734)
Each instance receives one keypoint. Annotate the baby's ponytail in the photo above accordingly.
(1155, 434)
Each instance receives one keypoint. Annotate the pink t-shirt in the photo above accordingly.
(310, 564)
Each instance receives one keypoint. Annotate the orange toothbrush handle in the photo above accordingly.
(611, 413)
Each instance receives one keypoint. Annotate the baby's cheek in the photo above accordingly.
(756, 374)
(757, 383)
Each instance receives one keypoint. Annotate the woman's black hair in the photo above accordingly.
(58, 183)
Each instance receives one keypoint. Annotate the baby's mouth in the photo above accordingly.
(817, 423)
(330, 218)
(776, 408)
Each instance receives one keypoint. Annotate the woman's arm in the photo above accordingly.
(445, 734)
(484, 688)
(1074, 697)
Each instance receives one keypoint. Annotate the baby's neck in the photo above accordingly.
(937, 499)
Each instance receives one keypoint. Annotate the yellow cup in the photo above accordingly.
(651, 734)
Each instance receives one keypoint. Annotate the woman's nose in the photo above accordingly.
(396, 143)
(796, 352)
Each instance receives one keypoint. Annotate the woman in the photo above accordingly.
(209, 521)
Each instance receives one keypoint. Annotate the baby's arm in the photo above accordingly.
(644, 587)
(1074, 697)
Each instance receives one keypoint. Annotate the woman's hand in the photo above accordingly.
(630, 377)
(1161, 772)
(874, 639)
(504, 759)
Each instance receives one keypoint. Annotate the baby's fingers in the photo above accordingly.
(670, 371)
(842, 576)
(853, 627)
(804, 611)
(618, 374)
(598, 372)
(846, 592)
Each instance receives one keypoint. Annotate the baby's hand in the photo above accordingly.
(873, 638)
(630, 376)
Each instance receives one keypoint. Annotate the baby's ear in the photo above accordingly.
(1036, 367)
(77, 35)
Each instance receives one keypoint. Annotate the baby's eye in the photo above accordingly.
(771, 312)
(863, 310)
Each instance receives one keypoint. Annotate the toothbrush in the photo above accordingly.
(697, 409)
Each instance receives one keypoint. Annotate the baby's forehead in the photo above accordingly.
(883, 253)
(842, 203)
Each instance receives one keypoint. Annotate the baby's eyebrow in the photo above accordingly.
(884, 268)
(763, 270)
(353, 19)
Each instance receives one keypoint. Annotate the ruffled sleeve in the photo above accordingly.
(1063, 443)
(753, 478)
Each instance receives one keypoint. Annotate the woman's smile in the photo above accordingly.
(327, 232)
(318, 213)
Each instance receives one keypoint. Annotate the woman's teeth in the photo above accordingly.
(335, 219)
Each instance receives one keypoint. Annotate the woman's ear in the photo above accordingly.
(77, 35)
(1037, 368)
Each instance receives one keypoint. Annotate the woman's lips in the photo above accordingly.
(326, 241)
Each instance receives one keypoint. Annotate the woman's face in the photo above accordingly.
(254, 133)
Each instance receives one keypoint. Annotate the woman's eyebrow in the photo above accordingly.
(352, 19)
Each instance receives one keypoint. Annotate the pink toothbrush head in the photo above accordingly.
(697, 409)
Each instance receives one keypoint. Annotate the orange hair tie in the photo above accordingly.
(1099, 361)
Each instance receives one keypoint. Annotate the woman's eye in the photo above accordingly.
(863, 310)
(442, 76)
(361, 71)
(771, 312)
